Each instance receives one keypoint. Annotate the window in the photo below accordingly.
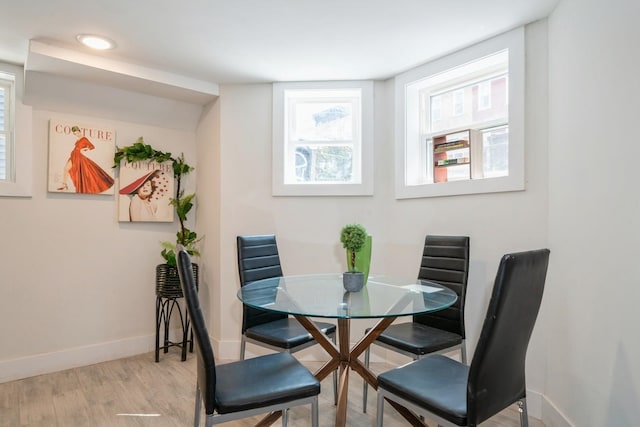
(15, 135)
(7, 84)
(479, 88)
(322, 142)
(478, 80)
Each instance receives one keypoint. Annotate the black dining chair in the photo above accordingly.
(445, 260)
(452, 393)
(245, 388)
(258, 259)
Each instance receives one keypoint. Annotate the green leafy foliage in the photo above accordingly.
(180, 168)
(353, 238)
(183, 204)
(140, 152)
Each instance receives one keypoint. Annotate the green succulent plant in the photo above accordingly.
(353, 238)
(182, 203)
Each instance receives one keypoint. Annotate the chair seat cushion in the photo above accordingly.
(418, 339)
(435, 383)
(262, 381)
(286, 333)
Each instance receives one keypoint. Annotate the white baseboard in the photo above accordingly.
(45, 363)
(552, 416)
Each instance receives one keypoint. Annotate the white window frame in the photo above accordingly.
(19, 179)
(364, 187)
(409, 146)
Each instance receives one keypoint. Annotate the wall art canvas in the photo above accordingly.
(145, 192)
(81, 158)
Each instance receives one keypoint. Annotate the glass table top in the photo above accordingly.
(323, 295)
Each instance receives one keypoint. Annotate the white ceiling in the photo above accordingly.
(200, 43)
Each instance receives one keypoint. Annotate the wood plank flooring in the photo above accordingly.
(136, 391)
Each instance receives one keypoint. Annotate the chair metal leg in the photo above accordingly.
(365, 386)
(463, 352)
(196, 415)
(285, 417)
(524, 416)
(314, 412)
(184, 321)
(380, 410)
(158, 309)
(242, 346)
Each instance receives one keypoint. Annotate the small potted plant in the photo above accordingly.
(353, 238)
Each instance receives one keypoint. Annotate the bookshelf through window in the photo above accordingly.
(457, 156)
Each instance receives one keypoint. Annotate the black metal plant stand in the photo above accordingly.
(168, 292)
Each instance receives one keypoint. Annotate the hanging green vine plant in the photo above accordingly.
(140, 152)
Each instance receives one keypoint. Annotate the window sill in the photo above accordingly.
(312, 190)
(457, 188)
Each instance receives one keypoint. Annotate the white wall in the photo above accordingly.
(307, 228)
(592, 345)
(78, 287)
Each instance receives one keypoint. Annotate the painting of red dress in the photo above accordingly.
(145, 193)
(80, 158)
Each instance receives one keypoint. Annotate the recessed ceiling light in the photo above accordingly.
(95, 42)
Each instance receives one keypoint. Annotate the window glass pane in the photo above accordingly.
(322, 121)
(319, 135)
(462, 112)
(436, 105)
(324, 163)
(323, 138)
(2, 108)
(458, 102)
(495, 152)
(3, 158)
(484, 95)
(3, 140)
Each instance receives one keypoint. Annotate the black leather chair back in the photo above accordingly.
(204, 352)
(258, 259)
(497, 371)
(445, 260)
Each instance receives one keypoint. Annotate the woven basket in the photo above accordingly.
(168, 281)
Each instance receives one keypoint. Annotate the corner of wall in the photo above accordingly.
(551, 416)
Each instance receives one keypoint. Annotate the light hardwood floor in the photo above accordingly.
(136, 391)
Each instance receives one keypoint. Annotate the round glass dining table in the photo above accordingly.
(323, 295)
